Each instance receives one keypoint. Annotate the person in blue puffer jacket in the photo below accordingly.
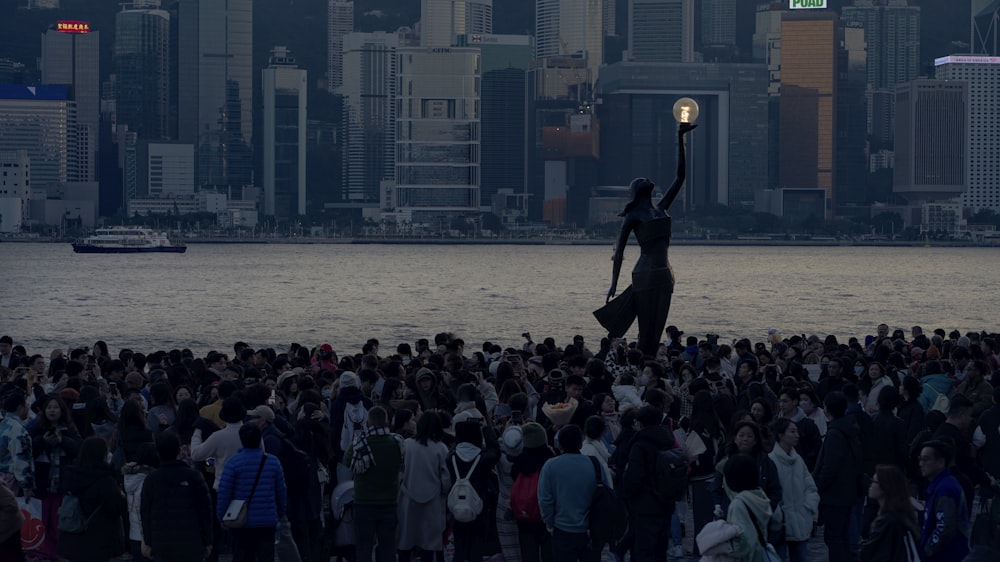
(255, 541)
(934, 382)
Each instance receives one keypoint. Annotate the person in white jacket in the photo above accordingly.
(593, 444)
(799, 496)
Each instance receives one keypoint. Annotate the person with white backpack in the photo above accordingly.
(474, 487)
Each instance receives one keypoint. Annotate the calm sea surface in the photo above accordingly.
(271, 295)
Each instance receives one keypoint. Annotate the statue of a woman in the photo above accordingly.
(648, 298)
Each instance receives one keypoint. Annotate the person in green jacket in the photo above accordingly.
(748, 507)
(376, 460)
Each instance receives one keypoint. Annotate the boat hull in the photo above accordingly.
(89, 249)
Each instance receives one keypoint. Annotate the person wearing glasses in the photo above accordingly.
(945, 533)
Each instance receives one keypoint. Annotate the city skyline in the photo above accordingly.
(192, 73)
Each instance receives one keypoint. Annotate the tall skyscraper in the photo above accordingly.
(442, 21)
(850, 189)
(340, 22)
(14, 189)
(931, 153)
(142, 71)
(982, 74)
(892, 32)
(504, 64)
(284, 136)
(70, 56)
(42, 121)
(809, 43)
(215, 89)
(369, 114)
(547, 28)
(656, 31)
(718, 24)
(570, 28)
(437, 142)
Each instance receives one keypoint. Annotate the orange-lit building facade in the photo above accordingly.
(807, 156)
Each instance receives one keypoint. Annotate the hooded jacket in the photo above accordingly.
(348, 395)
(101, 498)
(745, 508)
(799, 498)
(482, 479)
(838, 468)
(640, 472)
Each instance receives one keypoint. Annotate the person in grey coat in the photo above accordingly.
(423, 493)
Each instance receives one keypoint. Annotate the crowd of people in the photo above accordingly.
(884, 444)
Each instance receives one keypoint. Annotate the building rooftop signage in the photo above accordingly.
(966, 59)
(806, 4)
(70, 26)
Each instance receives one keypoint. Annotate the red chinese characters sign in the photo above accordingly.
(67, 26)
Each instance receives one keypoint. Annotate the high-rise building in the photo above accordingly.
(547, 28)
(809, 43)
(442, 21)
(718, 23)
(892, 32)
(164, 170)
(42, 121)
(570, 28)
(70, 56)
(142, 71)
(284, 136)
(982, 74)
(504, 64)
(657, 31)
(438, 133)
(986, 27)
(340, 22)
(369, 114)
(15, 183)
(727, 154)
(850, 189)
(931, 156)
(215, 88)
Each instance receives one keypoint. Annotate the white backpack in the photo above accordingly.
(464, 502)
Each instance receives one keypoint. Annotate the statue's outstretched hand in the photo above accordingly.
(686, 128)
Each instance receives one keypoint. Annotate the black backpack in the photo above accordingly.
(670, 476)
(608, 514)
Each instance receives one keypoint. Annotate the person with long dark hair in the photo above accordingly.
(894, 533)
(705, 425)
(93, 481)
(799, 497)
(131, 434)
(425, 485)
(648, 298)
(746, 440)
(55, 443)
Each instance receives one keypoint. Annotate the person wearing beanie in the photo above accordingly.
(532, 536)
(348, 416)
(471, 459)
(223, 443)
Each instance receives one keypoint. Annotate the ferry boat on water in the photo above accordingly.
(126, 240)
